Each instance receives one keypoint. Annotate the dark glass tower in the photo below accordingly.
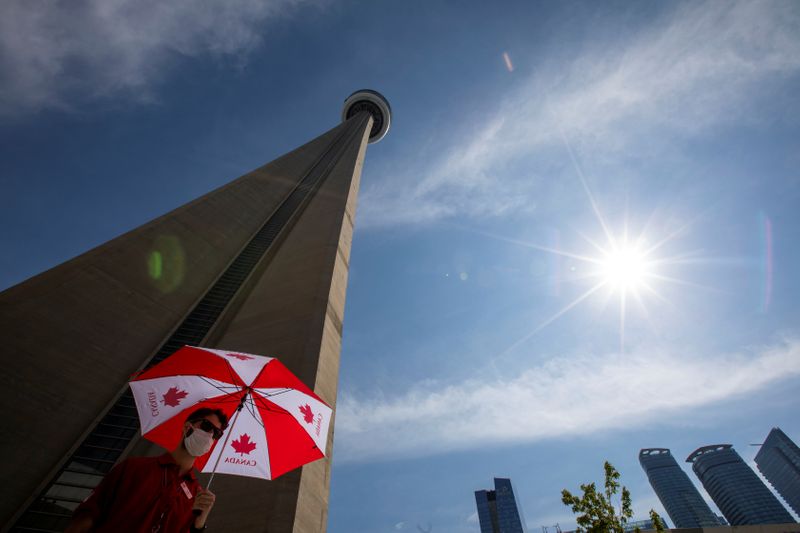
(779, 461)
(735, 488)
(497, 509)
(680, 498)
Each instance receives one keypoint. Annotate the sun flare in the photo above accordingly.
(624, 269)
(623, 266)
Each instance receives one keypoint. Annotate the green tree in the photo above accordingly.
(596, 510)
(658, 523)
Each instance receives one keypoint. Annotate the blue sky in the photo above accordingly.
(680, 121)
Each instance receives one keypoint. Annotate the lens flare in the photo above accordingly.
(166, 263)
(507, 60)
(155, 265)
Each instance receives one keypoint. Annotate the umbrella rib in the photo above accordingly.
(264, 404)
(221, 389)
(252, 411)
(284, 391)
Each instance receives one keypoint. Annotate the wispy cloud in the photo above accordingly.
(573, 395)
(699, 67)
(54, 54)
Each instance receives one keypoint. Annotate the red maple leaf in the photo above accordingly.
(240, 356)
(243, 445)
(308, 415)
(174, 396)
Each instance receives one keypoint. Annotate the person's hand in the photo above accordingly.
(204, 501)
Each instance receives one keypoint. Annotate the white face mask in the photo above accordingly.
(198, 442)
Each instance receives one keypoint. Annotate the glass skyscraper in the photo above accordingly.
(735, 488)
(779, 461)
(680, 498)
(630, 527)
(497, 509)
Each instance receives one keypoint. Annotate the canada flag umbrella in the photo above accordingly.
(276, 423)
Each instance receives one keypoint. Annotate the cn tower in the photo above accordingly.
(259, 265)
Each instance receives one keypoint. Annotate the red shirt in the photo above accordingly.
(143, 495)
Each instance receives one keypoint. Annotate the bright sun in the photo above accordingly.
(623, 265)
(624, 268)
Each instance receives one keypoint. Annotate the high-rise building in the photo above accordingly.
(680, 498)
(779, 461)
(498, 510)
(735, 488)
(641, 525)
(259, 265)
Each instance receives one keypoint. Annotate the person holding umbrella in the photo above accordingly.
(156, 494)
(184, 402)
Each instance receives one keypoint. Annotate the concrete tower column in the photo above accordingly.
(259, 265)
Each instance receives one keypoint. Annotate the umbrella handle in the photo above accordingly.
(227, 436)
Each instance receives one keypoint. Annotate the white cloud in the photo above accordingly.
(53, 54)
(703, 66)
(574, 395)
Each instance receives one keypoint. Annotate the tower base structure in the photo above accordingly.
(259, 265)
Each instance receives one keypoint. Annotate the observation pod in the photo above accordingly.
(376, 105)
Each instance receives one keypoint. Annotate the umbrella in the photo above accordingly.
(276, 423)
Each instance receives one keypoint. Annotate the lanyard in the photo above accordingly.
(157, 527)
(169, 492)
(165, 500)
